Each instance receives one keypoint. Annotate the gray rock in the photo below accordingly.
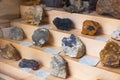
(116, 34)
(73, 46)
(14, 33)
(58, 67)
(40, 36)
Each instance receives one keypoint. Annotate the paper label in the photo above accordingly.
(49, 8)
(102, 39)
(42, 73)
(27, 44)
(46, 27)
(26, 69)
(89, 60)
(51, 51)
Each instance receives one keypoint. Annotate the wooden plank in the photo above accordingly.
(5, 77)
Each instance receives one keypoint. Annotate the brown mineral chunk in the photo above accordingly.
(90, 27)
(111, 7)
(10, 52)
(110, 55)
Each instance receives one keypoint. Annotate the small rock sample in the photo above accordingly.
(10, 52)
(110, 7)
(110, 55)
(33, 15)
(40, 36)
(92, 4)
(73, 46)
(13, 33)
(63, 24)
(90, 27)
(116, 34)
(29, 63)
(58, 67)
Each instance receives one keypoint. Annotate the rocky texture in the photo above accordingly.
(10, 52)
(58, 67)
(110, 7)
(29, 63)
(90, 27)
(73, 46)
(13, 33)
(92, 4)
(110, 55)
(116, 34)
(40, 36)
(31, 2)
(33, 15)
(63, 24)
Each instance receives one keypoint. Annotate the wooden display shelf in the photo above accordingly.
(5, 77)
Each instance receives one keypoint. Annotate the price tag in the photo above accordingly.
(27, 44)
(102, 39)
(46, 27)
(51, 51)
(26, 69)
(89, 60)
(42, 73)
(49, 8)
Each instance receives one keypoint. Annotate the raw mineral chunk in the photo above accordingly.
(63, 24)
(90, 27)
(73, 46)
(29, 63)
(92, 4)
(110, 55)
(116, 34)
(10, 52)
(40, 36)
(58, 67)
(111, 7)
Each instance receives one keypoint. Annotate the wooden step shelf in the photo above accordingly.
(78, 71)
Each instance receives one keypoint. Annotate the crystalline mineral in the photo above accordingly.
(10, 52)
(110, 55)
(58, 67)
(40, 36)
(73, 46)
(29, 63)
(116, 34)
(14, 33)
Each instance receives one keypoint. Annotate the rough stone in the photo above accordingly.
(90, 27)
(73, 46)
(116, 34)
(63, 24)
(40, 36)
(110, 7)
(13, 33)
(58, 67)
(110, 55)
(10, 52)
(92, 4)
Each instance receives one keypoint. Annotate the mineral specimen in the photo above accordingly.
(110, 7)
(90, 27)
(58, 67)
(40, 36)
(14, 33)
(33, 15)
(73, 46)
(29, 63)
(92, 4)
(10, 52)
(110, 55)
(63, 24)
(116, 34)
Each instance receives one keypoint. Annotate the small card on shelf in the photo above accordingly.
(26, 69)
(46, 27)
(27, 44)
(51, 51)
(102, 39)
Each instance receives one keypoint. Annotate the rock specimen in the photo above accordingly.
(13, 33)
(92, 4)
(63, 24)
(110, 55)
(40, 36)
(58, 67)
(74, 6)
(73, 46)
(10, 52)
(116, 34)
(110, 7)
(33, 15)
(29, 63)
(90, 27)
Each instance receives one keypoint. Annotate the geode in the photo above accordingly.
(63, 24)
(110, 55)
(33, 15)
(90, 27)
(10, 52)
(13, 33)
(116, 34)
(40, 36)
(110, 7)
(58, 67)
(29, 63)
(73, 46)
